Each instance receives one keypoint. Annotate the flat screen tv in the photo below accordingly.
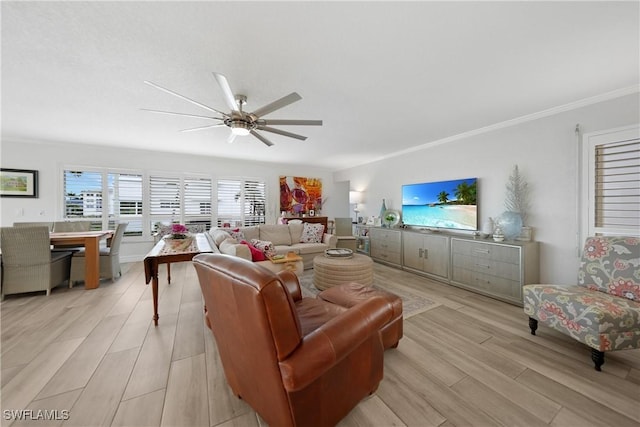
(444, 204)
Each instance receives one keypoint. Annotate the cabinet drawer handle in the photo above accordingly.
(483, 265)
(481, 251)
(488, 282)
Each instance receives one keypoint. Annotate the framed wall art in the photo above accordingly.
(18, 183)
(300, 195)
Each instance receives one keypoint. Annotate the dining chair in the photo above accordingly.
(28, 263)
(109, 258)
(65, 226)
(344, 233)
(70, 226)
(34, 224)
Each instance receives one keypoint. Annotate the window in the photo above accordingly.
(241, 202)
(82, 189)
(611, 162)
(125, 202)
(177, 199)
(104, 198)
(197, 201)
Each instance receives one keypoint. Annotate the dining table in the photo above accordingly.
(91, 242)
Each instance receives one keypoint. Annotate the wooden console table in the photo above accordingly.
(164, 253)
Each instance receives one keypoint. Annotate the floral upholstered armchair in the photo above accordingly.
(603, 310)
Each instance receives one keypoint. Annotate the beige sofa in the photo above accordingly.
(284, 237)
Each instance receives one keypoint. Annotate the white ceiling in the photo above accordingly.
(383, 76)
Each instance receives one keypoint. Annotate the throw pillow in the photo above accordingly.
(265, 246)
(236, 234)
(219, 235)
(312, 233)
(256, 254)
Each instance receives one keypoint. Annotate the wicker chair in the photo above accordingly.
(109, 259)
(28, 264)
(34, 224)
(70, 226)
(66, 226)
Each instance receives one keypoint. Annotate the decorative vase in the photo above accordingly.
(487, 227)
(497, 234)
(510, 224)
(525, 234)
(383, 209)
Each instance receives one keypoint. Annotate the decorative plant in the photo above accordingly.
(179, 231)
(517, 197)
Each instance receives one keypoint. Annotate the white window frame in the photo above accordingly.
(587, 205)
(105, 217)
(243, 180)
(180, 216)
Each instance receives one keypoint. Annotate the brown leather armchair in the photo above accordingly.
(296, 361)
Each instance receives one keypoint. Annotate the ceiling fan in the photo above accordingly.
(240, 122)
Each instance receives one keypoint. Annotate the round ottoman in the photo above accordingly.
(333, 271)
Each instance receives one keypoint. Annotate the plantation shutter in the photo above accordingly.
(611, 182)
(164, 197)
(125, 202)
(254, 203)
(229, 202)
(617, 185)
(197, 201)
(241, 202)
(82, 194)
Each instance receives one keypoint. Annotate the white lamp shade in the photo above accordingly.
(355, 197)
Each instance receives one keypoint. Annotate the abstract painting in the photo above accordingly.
(299, 195)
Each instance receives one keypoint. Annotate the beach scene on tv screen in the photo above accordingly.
(444, 204)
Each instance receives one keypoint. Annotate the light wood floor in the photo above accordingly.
(467, 361)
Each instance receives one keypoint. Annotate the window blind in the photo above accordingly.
(254, 203)
(197, 201)
(125, 202)
(617, 184)
(241, 201)
(164, 197)
(82, 194)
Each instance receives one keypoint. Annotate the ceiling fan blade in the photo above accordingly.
(203, 127)
(282, 132)
(276, 105)
(182, 114)
(231, 137)
(185, 98)
(229, 98)
(262, 138)
(284, 122)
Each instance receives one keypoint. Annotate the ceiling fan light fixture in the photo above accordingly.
(240, 128)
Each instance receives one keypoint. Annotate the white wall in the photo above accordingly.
(545, 151)
(50, 158)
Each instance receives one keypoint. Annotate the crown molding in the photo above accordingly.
(618, 93)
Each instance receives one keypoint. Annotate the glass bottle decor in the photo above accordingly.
(383, 209)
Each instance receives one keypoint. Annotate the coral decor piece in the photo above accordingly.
(299, 195)
(517, 197)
